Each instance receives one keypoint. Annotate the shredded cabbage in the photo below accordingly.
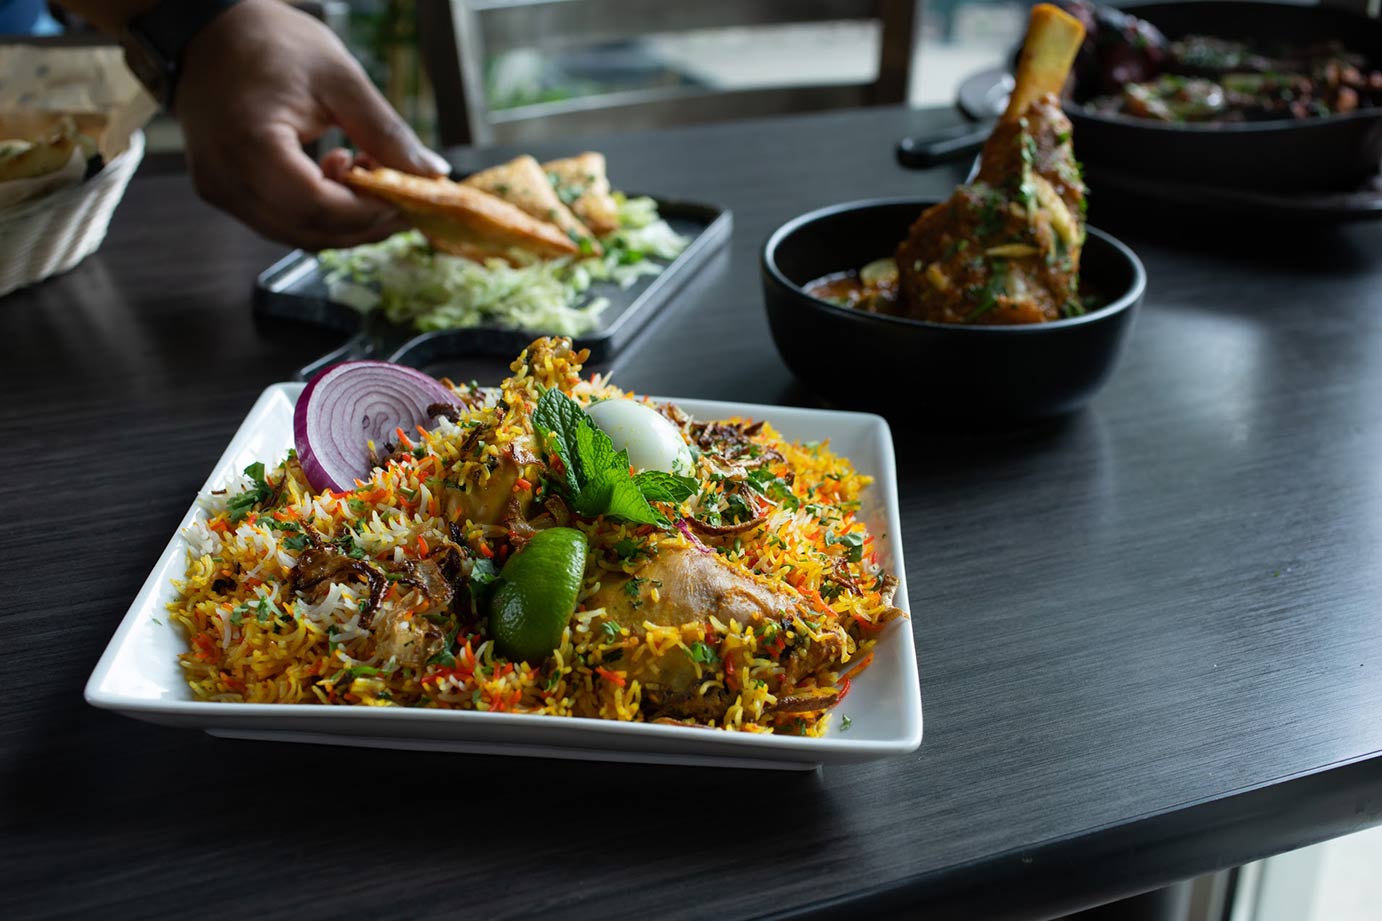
(413, 283)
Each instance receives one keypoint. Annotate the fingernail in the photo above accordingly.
(434, 161)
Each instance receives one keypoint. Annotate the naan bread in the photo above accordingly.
(38, 156)
(521, 182)
(462, 220)
(582, 183)
(26, 159)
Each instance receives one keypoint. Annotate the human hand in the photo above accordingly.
(257, 83)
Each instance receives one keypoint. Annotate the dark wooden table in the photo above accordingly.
(1148, 635)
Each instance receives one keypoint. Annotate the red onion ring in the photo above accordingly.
(695, 541)
(350, 404)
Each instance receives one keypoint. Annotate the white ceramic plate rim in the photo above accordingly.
(356, 723)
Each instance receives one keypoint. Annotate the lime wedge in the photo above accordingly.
(536, 594)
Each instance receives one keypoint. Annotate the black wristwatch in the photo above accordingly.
(154, 42)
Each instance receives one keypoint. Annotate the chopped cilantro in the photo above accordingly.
(774, 487)
(444, 658)
(239, 506)
(996, 286)
(853, 544)
(737, 509)
(845, 723)
(482, 572)
(702, 653)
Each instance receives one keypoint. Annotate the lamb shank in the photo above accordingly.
(1005, 248)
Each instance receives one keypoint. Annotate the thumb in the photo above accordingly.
(372, 124)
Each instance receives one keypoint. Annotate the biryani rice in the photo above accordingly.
(252, 638)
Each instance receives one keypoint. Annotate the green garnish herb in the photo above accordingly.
(444, 658)
(774, 487)
(703, 654)
(845, 723)
(239, 506)
(988, 295)
(853, 544)
(596, 477)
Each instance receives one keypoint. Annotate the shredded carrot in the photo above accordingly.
(610, 676)
(486, 551)
(206, 648)
(858, 667)
(521, 485)
(422, 547)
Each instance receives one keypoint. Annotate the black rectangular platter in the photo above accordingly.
(294, 288)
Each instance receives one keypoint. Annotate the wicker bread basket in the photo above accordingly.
(50, 234)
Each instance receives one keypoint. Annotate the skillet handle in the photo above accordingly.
(360, 345)
(935, 149)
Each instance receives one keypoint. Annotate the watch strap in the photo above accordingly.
(164, 31)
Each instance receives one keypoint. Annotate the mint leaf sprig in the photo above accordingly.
(597, 480)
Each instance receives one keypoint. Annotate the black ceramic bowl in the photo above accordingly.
(1331, 152)
(975, 373)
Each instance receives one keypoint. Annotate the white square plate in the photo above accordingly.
(139, 675)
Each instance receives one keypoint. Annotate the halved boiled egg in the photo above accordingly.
(653, 443)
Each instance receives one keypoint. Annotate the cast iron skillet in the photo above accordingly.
(1335, 152)
(976, 375)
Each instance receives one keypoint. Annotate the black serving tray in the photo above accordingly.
(294, 289)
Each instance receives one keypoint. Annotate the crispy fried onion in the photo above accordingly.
(889, 589)
(556, 513)
(319, 567)
(802, 703)
(725, 530)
